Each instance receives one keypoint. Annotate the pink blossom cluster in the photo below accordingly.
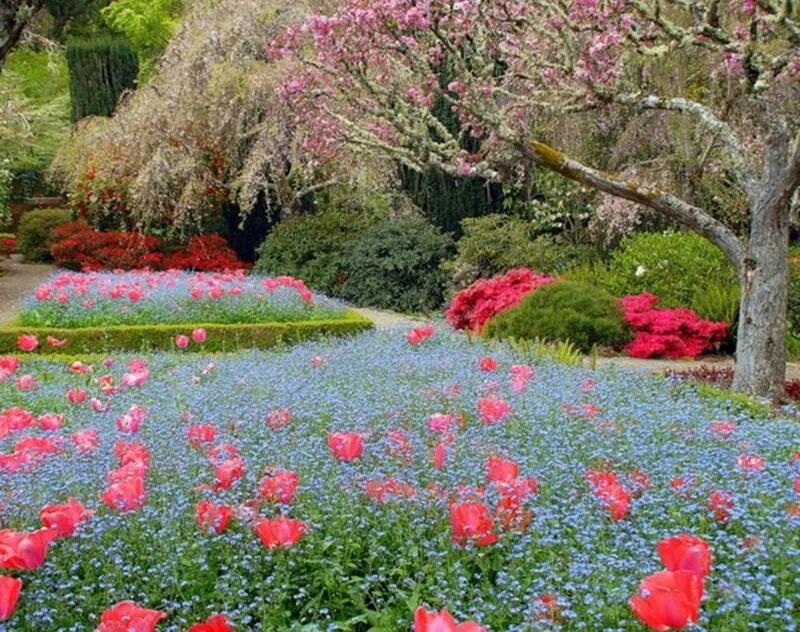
(674, 333)
(471, 308)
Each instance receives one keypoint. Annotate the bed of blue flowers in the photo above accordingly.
(141, 297)
(343, 485)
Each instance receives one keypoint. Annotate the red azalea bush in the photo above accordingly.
(78, 246)
(674, 333)
(7, 246)
(471, 308)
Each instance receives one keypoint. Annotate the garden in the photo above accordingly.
(324, 317)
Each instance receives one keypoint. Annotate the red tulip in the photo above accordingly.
(76, 395)
(443, 621)
(228, 472)
(215, 623)
(24, 551)
(751, 462)
(418, 334)
(346, 446)
(27, 383)
(125, 495)
(616, 499)
(685, 553)
(668, 600)
(126, 616)
(212, 517)
(493, 410)
(278, 488)
(27, 342)
(501, 470)
(487, 364)
(439, 455)
(199, 335)
(379, 490)
(85, 440)
(55, 342)
(472, 522)
(199, 435)
(65, 518)
(181, 341)
(10, 588)
(50, 421)
(279, 418)
(280, 532)
(719, 502)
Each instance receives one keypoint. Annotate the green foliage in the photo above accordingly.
(496, 243)
(221, 337)
(793, 299)
(720, 302)
(6, 178)
(735, 403)
(34, 108)
(148, 25)
(100, 70)
(566, 310)
(561, 351)
(396, 265)
(674, 266)
(33, 234)
(312, 247)
(72, 18)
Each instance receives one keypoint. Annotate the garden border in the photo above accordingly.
(221, 336)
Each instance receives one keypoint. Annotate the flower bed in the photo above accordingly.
(72, 299)
(343, 485)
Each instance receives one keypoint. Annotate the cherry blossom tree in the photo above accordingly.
(366, 75)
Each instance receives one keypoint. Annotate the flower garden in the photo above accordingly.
(345, 484)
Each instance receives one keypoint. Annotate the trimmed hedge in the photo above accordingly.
(221, 337)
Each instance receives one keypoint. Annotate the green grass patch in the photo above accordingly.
(221, 337)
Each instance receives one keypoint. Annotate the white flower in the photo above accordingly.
(640, 271)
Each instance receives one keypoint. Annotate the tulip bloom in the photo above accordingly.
(443, 621)
(501, 470)
(199, 335)
(76, 395)
(751, 462)
(125, 495)
(198, 435)
(278, 488)
(127, 616)
(215, 623)
(212, 517)
(487, 364)
(27, 342)
(10, 588)
(27, 383)
(719, 502)
(439, 455)
(685, 553)
(668, 600)
(181, 341)
(24, 551)
(472, 522)
(228, 472)
(65, 518)
(55, 342)
(50, 421)
(345, 446)
(493, 409)
(280, 532)
(418, 334)
(279, 418)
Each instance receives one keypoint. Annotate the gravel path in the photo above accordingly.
(20, 279)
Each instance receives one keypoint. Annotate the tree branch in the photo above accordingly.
(660, 201)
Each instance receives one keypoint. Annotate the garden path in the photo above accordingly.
(18, 281)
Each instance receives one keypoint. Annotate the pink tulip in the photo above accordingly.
(181, 341)
(346, 446)
(10, 588)
(199, 335)
(27, 342)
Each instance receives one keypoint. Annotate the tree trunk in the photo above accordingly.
(761, 337)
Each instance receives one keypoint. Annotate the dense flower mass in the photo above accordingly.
(602, 500)
(471, 308)
(674, 333)
(73, 299)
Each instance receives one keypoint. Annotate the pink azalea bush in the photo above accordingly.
(471, 308)
(674, 333)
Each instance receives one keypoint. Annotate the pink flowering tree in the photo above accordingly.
(366, 75)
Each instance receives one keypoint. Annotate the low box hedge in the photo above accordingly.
(221, 337)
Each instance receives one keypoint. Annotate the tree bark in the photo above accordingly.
(14, 17)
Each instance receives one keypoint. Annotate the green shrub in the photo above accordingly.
(221, 337)
(564, 311)
(33, 235)
(397, 265)
(720, 302)
(312, 248)
(673, 266)
(493, 244)
(793, 299)
(100, 70)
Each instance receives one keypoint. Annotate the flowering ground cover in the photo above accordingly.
(72, 299)
(342, 485)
